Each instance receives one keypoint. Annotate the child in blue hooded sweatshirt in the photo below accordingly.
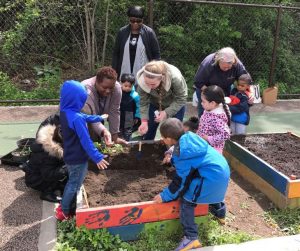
(202, 176)
(78, 146)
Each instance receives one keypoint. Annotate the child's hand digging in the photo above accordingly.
(167, 159)
(102, 164)
(157, 199)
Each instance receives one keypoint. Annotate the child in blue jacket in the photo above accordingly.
(78, 146)
(202, 176)
(130, 117)
(239, 106)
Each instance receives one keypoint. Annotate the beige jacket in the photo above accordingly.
(174, 96)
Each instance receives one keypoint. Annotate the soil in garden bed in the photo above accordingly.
(129, 178)
(280, 150)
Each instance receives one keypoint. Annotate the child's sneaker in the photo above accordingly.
(187, 244)
(59, 214)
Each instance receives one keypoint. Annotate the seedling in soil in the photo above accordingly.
(114, 149)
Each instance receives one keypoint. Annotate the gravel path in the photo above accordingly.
(21, 212)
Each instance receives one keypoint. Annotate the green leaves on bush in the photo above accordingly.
(71, 238)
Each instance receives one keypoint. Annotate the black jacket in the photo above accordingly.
(149, 40)
(45, 171)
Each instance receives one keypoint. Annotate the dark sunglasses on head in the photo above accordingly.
(135, 20)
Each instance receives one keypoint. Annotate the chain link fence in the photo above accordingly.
(73, 38)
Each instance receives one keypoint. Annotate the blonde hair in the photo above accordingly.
(225, 54)
(157, 67)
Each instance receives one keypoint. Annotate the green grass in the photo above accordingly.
(210, 233)
(287, 220)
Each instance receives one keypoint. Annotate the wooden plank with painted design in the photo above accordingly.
(128, 214)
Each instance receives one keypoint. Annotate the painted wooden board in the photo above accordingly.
(272, 193)
(129, 214)
(294, 189)
(132, 232)
(276, 179)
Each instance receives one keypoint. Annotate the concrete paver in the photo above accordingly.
(286, 243)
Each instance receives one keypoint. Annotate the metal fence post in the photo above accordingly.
(150, 13)
(274, 53)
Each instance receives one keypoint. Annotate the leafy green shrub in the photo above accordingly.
(72, 238)
(48, 87)
(212, 234)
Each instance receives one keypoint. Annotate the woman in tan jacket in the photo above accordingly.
(163, 93)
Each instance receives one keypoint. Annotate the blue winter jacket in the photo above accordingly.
(202, 173)
(240, 112)
(78, 145)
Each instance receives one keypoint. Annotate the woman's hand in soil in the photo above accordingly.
(102, 164)
(121, 141)
(143, 129)
(107, 137)
(161, 117)
(157, 199)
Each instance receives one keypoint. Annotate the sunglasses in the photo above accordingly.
(135, 20)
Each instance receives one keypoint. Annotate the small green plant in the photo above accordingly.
(109, 150)
(287, 220)
(244, 205)
(71, 238)
(46, 69)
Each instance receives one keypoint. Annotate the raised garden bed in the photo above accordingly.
(120, 198)
(271, 162)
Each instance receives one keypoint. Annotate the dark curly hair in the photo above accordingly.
(192, 123)
(106, 72)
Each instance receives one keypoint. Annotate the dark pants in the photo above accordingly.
(218, 209)
(152, 125)
(125, 133)
(187, 219)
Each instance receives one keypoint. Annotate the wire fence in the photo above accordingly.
(73, 38)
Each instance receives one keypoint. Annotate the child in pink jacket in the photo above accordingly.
(215, 121)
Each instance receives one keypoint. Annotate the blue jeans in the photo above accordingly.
(76, 177)
(152, 125)
(187, 219)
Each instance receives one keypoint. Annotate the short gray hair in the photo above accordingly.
(226, 54)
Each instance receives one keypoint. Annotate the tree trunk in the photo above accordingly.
(106, 33)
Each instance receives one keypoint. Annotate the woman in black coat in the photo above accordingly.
(135, 45)
(45, 169)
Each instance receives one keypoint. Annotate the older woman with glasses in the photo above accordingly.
(221, 68)
(135, 45)
(163, 93)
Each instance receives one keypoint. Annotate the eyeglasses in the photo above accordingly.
(136, 20)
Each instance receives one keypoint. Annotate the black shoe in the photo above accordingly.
(51, 197)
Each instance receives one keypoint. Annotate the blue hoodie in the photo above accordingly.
(78, 145)
(202, 173)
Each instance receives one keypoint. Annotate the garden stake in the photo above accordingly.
(139, 153)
